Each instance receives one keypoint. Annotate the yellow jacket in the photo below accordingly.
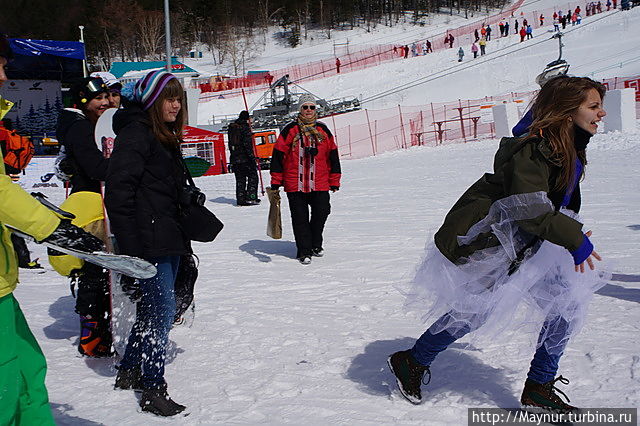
(21, 210)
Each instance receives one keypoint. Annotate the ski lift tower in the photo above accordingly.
(556, 68)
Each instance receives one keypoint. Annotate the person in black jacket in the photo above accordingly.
(87, 168)
(144, 189)
(243, 161)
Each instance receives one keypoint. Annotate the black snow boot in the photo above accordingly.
(409, 375)
(538, 397)
(127, 379)
(158, 402)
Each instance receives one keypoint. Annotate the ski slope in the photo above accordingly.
(603, 46)
(275, 342)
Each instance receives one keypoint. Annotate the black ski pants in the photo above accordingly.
(308, 232)
(246, 181)
(92, 297)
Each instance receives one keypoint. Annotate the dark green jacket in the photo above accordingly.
(520, 167)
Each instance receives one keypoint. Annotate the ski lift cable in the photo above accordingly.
(457, 68)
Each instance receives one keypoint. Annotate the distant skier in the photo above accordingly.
(483, 44)
(460, 54)
(338, 63)
(476, 35)
(506, 28)
(429, 49)
(541, 19)
(529, 32)
(488, 32)
(515, 27)
(531, 201)
(474, 50)
(523, 34)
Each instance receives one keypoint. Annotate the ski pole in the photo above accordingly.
(255, 152)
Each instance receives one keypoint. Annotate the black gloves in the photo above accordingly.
(335, 188)
(131, 287)
(70, 236)
(275, 187)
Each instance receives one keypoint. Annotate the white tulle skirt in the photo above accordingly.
(480, 295)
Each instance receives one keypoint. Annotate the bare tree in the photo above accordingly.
(150, 28)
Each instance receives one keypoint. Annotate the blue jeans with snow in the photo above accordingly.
(149, 336)
(544, 365)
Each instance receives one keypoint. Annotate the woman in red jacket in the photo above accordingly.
(305, 161)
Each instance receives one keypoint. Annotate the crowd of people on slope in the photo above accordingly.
(522, 28)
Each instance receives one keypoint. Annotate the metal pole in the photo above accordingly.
(84, 51)
(167, 34)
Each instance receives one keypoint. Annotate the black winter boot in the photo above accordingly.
(409, 375)
(127, 379)
(538, 397)
(158, 402)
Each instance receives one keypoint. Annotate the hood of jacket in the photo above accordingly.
(67, 117)
(132, 114)
(509, 146)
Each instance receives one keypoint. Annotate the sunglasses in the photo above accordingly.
(311, 107)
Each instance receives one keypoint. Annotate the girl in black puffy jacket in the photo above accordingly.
(143, 186)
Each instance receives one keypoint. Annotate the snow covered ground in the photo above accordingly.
(276, 342)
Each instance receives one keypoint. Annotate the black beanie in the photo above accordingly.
(244, 115)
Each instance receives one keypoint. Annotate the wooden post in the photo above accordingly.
(404, 137)
(373, 150)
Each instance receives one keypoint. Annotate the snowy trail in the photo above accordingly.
(276, 342)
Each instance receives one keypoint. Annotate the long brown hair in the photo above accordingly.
(169, 134)
(553, 107)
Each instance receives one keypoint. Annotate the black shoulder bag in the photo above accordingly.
(196, 221)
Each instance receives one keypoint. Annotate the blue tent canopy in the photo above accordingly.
(45, 60)
(65, 49)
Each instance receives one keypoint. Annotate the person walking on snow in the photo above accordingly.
(460, 54)
(338, 63)
(529, 32)
(483, 44)
(523, 34)
(474, 50)
(23, 395)
(540, 270)
(144, 198)
(243, 161)
(305, 161)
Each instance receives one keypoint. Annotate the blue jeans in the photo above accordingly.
(147, 343)
(544, 365)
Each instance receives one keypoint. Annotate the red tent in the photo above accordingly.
(205, 144)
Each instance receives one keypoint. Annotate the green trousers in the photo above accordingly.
(23, 395)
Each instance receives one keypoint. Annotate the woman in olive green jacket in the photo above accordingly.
(512, 248)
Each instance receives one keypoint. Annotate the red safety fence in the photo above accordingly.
(367, 133)
(371, 56)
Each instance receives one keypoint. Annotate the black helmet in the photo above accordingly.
(87, 89)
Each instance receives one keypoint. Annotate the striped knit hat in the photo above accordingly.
(148, 88)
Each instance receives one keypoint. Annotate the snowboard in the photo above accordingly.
(123, 310)
(127, 265)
